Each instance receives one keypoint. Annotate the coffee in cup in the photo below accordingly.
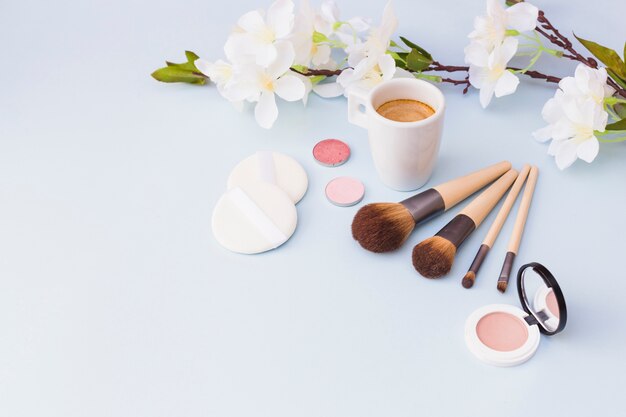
(405, 110)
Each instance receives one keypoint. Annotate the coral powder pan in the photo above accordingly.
(505, 335)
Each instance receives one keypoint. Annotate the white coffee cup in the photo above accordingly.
(404, 153)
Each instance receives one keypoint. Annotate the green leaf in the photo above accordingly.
(620, 109)
(609, 57)
(178, 75)
(319, 37)
(414, 46)
(416, 61)
(316, 79)
(185, 72)
(191, 56)
(619, 125)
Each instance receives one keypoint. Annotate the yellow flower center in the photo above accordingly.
(267, 35)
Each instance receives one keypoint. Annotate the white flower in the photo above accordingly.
(487, 71)
(329, 23)
(260, 84)
(490, 30)
(219, 72)
(378, 39)
(256, 34)
(369, 61)
(307, 51)
(587, 83)
(574, 132)
(368, 73)
(574, 114)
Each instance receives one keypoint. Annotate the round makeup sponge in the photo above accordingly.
(273, 167)
(345, 191)
(254, 218)
(331, 152)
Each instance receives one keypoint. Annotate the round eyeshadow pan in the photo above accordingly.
(345, 191)
(502, 331)
(331, 152)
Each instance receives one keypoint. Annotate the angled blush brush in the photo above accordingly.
(434, 256)
(518, 229)
(383, 227)
(496, 226)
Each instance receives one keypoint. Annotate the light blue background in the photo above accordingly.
(115, 299)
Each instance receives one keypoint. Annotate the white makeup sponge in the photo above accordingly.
(254, 217)
(273, 167)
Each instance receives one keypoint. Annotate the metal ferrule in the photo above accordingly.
(458, 229)
(425, 205)
(507, 267)
(480, 257)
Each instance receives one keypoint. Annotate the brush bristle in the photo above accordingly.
(468, 279)
(382, 227)
(502, 286)
(433, 257)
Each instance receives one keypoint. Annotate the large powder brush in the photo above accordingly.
(384, 227)
(434, 257)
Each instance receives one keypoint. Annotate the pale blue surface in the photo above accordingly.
(115, 300)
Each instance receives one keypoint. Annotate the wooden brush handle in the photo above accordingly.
(478, 209)
(522, 213)
(495, 228)
(457, 190)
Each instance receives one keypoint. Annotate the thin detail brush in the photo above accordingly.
(496, 226)
(383, 227)
(518, 230)
(434, 256)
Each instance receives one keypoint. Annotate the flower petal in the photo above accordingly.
(328, 90)
(289, 87)
(522, 17)
(477, 76)
(588, 150)
(486, 93)
(252, 22)
(265, 111)
(506, 84)
(507, 50)
(266, 54)
(387, 66)
(322, 55)
(204, 66)
(544, 134)
(283, 59)
(280, 18)
(566, 154)
(476, 54)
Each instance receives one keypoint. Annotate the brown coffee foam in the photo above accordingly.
(405, 110)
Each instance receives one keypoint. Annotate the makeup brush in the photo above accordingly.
(518, 229)
(383, 227)
(494, 230)
(434, 256)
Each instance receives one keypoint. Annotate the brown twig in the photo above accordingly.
(560, 40)
(315, 72)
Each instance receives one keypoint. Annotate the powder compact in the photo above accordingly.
(504, 335)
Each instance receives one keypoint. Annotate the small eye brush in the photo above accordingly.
(518, 230)
(496, 227)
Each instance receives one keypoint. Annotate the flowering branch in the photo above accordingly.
(560, 40)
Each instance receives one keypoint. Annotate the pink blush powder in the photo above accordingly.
(501, 331)
(331, 152)
(552, 304)
(345, 191)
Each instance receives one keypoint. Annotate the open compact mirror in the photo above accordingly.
(505, 335)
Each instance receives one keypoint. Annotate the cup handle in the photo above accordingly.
(357, 98)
